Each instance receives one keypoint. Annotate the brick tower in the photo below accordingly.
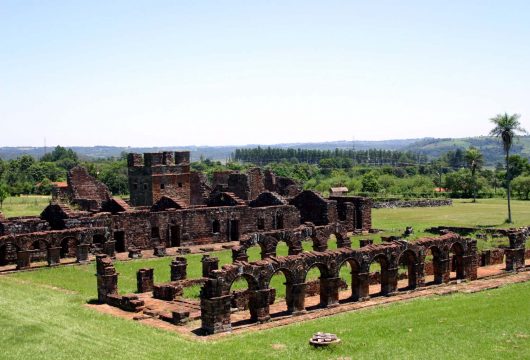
(154, 175)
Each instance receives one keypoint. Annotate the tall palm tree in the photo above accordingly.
(474, 160)
(507, 127)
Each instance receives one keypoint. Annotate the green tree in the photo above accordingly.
(521, 185)
(507, 127)
(4, 193)
(369, 183)
(474, 161)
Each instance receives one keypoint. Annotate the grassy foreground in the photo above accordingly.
(43, 323)
(42, 314)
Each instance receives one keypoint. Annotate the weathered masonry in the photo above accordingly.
(216, 297)
(426, 262)
(170, 206)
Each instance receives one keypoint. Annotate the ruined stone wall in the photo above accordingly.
(215, 294)
(391, 204)
(199, 188)
(160, 174)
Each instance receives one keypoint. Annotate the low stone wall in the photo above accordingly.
(391, 204)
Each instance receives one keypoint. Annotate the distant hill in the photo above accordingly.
(490, 147)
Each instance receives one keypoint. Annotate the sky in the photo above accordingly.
(161, 73)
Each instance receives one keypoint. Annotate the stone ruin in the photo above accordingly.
(170, 206)
(450, 252)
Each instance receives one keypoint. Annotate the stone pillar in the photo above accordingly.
(442, 271)
(239, 253)
(82, 253)
(365, 242)
(389, 280)
(258, 304)
(215, 314)
(420, 274)
(209, 264)
(360, 286)
(320, 244)
(329, 291)
(295, 248)
(54, 256)
(343, 241)
(23, 259)
(145, 280)
(107, 277)
(109, 248)
(295, 298)
(268, 251)
(515, 255)
(179, 268)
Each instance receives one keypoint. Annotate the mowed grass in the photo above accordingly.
(24, 205)
(485, 213)
(43, 323)
(38, 319)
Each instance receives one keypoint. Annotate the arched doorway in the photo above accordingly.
(434, 272)
(280, 284)
(349, 273)
(240, 290)
(407, 264)
(68, 248)
(379, 276)
(313, 278)
(39, 250)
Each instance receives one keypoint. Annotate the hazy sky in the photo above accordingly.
(155, 73)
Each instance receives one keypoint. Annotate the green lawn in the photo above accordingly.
(43, 323)
(38, 321)
(24, 205)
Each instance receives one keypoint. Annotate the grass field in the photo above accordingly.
(42, 314)
(25, 205)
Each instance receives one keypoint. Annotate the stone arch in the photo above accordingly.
(439, 259)
(39, 249)
(289, 281)
(388, 275)
(356, 281)
(243, 299)
(68, 247)
(409, 259)
(8, 252)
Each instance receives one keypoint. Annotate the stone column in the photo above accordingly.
(23, 259)
(109, 248)
(344, 242)
(420, 274)
(268, 251)
(54, 256)
(361, 286)
(295, 248)
(179, 268)
(515, 259)
(82, 253)
(145, 280)
(258, 304)
(215, 314)
(442, 273)
(320, 245)
(365, 242)
(107, 278)
(389, 281)
(209, 264)
(329, 291)
(295, 298)
(239, 253)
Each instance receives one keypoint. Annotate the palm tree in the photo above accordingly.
(507, 127)
(474, 161)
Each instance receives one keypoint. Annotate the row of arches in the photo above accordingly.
(343, 275)
(49, 250)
